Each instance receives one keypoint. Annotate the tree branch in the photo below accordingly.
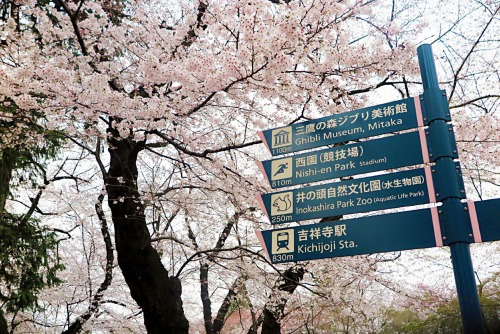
(476, 43)
(490, 96)
(77, 325)
(205, 153)
(226, 303)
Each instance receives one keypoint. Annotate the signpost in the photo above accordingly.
(453, 223)
(457, 228)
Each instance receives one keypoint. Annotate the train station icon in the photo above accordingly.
(282, 137)
(283, 241)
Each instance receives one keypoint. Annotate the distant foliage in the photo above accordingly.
(28, 262)
(445, 320)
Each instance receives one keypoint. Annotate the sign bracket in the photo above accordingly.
(441, 141)
(455, 227)
(438, 108)
(448, 181)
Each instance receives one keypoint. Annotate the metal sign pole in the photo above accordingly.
(454, 218)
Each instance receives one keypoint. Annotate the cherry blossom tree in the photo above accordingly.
(159, 103)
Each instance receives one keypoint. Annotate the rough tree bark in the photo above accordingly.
(155, 292)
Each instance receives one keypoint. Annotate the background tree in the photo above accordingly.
(28, 255)
(444, 316)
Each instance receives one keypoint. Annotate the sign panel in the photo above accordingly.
(485, 220)
(352, 159)
(339, 128)
(379, 192)
(375, 234)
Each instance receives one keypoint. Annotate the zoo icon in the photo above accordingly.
(282, 203)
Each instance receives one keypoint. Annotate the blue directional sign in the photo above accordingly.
(485, 220)
(374, 234)
(358, 158)
(379, 192)
(339, 128)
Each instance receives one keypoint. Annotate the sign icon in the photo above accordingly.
(283, 241)
(282, 169)
(282, 203)
(282, 137)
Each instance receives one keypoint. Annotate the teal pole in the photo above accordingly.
(454, 223)
(468, 298)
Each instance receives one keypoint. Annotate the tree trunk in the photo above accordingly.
(226, 304)
(155, 292)
(274, 311)
(3, 324)
(205, 298)
(7, 162)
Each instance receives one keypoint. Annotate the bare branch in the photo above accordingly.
(480, 98)
(77, 325)
(466, 58)
(205, 153)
